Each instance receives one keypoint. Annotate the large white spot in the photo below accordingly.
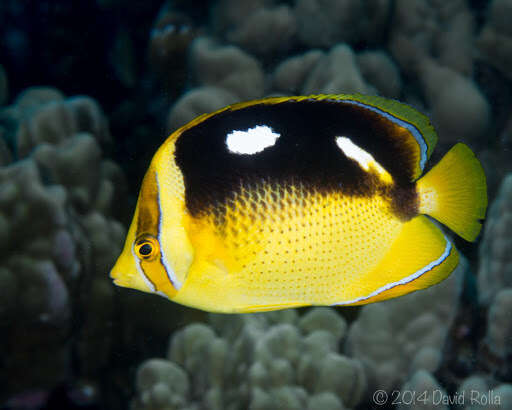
(252, 140)
(363, 158)
(358, 154)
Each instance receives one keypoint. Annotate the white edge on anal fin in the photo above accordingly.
(405, 280)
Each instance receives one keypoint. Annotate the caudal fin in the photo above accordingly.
(455, 192)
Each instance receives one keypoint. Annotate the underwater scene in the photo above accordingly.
(256, 204)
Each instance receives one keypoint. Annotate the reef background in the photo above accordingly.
(90, 89)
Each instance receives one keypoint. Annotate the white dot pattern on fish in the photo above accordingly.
(175, 182)
(172, 186)
(300, 244)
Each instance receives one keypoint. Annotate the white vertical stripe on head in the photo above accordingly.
(405, 280)
(171, 275)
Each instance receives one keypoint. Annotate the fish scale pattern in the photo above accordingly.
(310, 247)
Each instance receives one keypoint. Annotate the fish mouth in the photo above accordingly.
(117, 279)
(114, 275)
(117, 273)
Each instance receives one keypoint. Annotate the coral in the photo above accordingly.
(473, 383)
(227, 67)
(495, 39)
(257, 361)
(499, 326)
(325, 23)
(265, 31)
(423, 392)
(412, 325)
(69, 166)
(437, 29)
(504, 392)
(226, 75)
(31, 99)
(290, 75)
(49, 202)
(495, 269)
(379, 70)
(496, 164)
(164, 385)
(59, 210)
(198, 101)
(337, 72)
(227, 14)
(477, 393)
(43, 115)
(455, 44)
(40, 301)
(460, 111)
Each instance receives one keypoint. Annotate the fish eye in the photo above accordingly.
(146, 247)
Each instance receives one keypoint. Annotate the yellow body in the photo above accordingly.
(330, 251)
(278, 247)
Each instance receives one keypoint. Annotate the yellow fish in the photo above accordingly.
(294, 201)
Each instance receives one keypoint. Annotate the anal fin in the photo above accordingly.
(420, 257)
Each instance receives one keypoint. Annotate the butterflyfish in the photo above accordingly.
(294, 201)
